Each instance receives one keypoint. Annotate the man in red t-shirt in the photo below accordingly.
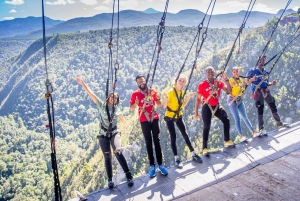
(209, 94)
(146, 99)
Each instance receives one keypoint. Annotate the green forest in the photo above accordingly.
(25, 165)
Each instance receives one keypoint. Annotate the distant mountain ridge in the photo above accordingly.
(151, 11)
(19, 26)
(132, 18)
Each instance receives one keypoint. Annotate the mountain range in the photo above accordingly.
(31, 27)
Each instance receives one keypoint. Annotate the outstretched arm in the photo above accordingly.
(123, 120)
(87, 90)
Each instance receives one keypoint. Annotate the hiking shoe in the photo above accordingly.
(178, 163)
(197, 158)
(205, 152)
(162, 169)
(152, 171)
(243, 139)
(129, 179)
(263, 132)
(256, 135)
(281, 124)
(110, 184)
(229, 143)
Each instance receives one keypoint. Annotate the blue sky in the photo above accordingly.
(68, 9)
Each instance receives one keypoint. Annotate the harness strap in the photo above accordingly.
(263, 78)
(180, 102)
(238, 98)
(212, 94)
(148, 97)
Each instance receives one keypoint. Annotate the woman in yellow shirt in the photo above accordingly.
(236, 104)
(174, 102)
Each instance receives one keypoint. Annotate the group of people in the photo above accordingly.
(208, 94)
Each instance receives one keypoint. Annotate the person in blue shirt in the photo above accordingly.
(109, 136)
(261, 94)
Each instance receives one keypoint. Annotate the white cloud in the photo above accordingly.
(236, 4)
(70, 1)
(89, 2)
(61, 2)
(12, 11)
(296, 8)
(8, 18)
(129, 4)
(14, 2)
(107, 1)
(101, 8)
(264, 8)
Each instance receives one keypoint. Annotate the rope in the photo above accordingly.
(293, 38)
(248, 12)
(200, 26)
(160, 33)
(273, 31)
(283, 49)
(50, 107)
(198, 50)
(113, 69)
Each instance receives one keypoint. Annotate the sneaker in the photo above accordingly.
(152, 171)
(281, 124)
(205, 152)
(110, 184)
(243, 139)
(179, 163)
(229, 143)
(256, 135)
(197, 158)
(129, 179)
(162, 169)
(262, 132)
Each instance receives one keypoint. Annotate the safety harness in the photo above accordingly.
(180, 97)
(212, 94)
(148, 97)
(264, 77)
(238, 98)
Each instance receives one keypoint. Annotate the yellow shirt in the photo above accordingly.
(173, 102)
(238, 86)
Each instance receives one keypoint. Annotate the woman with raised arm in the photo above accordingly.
(109, 134)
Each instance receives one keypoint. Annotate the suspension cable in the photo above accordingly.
(160, 33)
(273, 31)
(291, 40)
(248, 12)
(51, 125)
(200, 26)
(198, 50)
(112, 68)
(283, 49)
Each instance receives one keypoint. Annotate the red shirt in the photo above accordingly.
(204, 90)
(148, 106)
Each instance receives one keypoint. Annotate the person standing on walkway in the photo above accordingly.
(261, 93)
(209, 94)
(174, 102)
(146, 100)
(109, 137)
(236, 103)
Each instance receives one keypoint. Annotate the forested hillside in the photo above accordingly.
(24, 142)
(10, 48)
